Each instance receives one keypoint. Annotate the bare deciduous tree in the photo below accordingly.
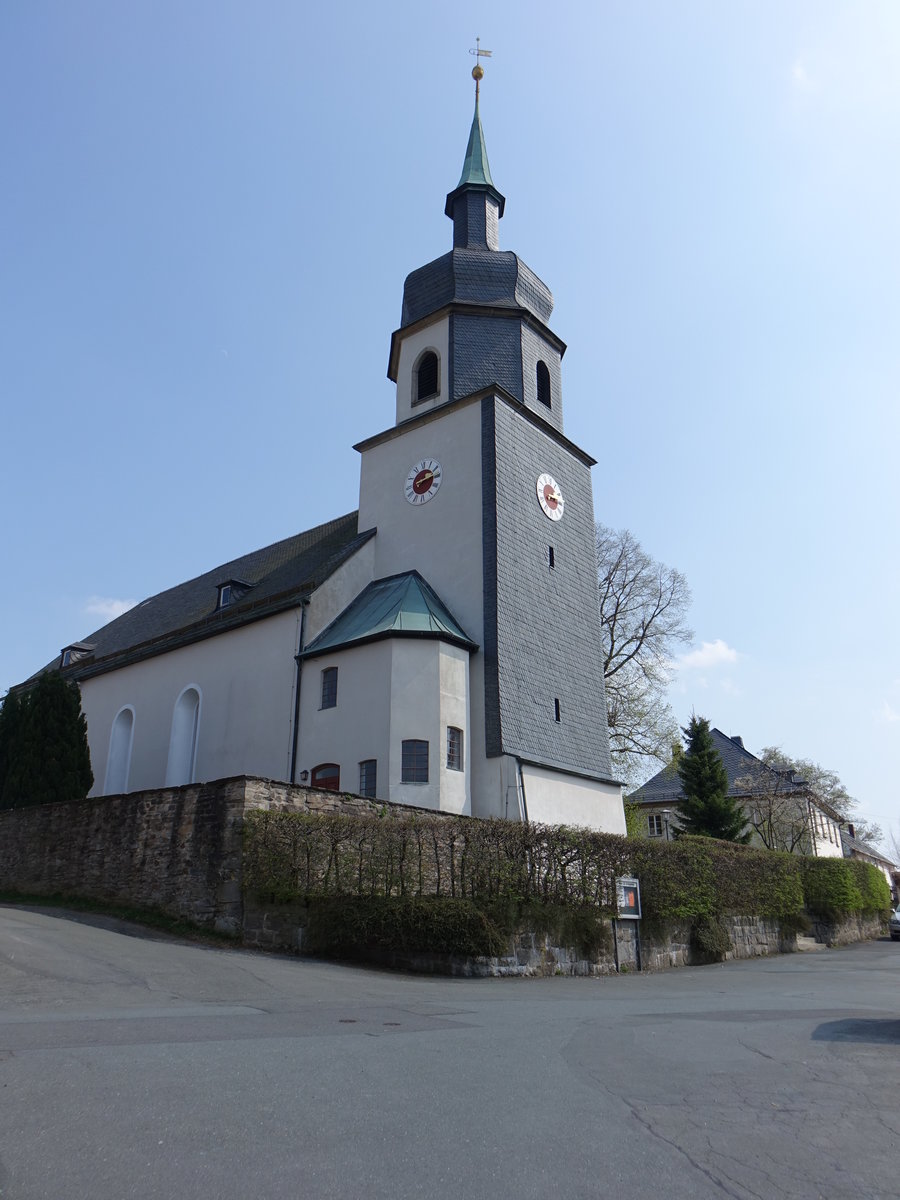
(643, 607)
(826, 785)
(776, 808)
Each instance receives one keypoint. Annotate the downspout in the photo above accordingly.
(299, 661)
(522, 791)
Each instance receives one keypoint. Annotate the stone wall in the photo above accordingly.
(850, 929)
(173, 849)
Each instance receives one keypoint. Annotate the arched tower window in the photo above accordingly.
(118, 763)
(543, 383)
(426, 380)
(183, 742)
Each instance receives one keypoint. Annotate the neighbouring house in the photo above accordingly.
(782, 810)
(855, 847)
(440, 645)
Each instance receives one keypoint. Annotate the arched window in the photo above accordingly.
(327, 776)
(183, 741)
(118, 763)
(543, 383)
(426, 383)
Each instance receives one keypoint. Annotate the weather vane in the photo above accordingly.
(478, 69)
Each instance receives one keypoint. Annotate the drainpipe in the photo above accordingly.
(522, 790)
(304, 604)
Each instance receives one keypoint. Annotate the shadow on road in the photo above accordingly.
(858, 1030)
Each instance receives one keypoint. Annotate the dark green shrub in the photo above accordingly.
(345, 925)
(709, 941)
(677, 879)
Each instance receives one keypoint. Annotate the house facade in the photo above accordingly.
(782, 811)
(439, 646)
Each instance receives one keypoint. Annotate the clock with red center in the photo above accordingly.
(423, 480)
(550, 497)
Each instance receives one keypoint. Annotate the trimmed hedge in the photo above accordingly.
(836, 887)
(502, 866)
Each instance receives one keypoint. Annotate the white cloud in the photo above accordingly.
(800, 76)
(889, 714)
(709, 656)
(108, 608)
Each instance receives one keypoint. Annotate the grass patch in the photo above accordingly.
(152, 918)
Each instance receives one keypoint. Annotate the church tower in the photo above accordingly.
(477, 490)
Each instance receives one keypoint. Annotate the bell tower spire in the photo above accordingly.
(475, 206)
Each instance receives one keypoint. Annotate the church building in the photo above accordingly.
(438, 647)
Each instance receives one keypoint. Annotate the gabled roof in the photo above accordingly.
(856, 846)
(665, 786)
(277, 577)
(399, 606)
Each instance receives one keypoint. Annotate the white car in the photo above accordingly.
(894, 925)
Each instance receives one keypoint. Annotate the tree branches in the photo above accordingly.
(643, 607)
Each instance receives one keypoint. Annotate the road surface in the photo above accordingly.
(145, 1067)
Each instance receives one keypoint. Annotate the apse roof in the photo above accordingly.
(399, 606)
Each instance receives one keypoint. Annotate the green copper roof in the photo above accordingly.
(476, 168)
(402, 605)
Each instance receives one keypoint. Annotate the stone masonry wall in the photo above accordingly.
(174, 849)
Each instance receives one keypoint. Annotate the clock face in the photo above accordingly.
(423, 480)
(550, 497)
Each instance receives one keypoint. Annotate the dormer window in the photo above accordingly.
(230, 591)
(426, 377)
(69, 655)
(543, 384)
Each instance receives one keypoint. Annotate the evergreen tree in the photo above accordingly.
(707, 810)
(10, 725)
(47, 756)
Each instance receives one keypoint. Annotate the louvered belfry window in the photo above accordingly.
(427, 376)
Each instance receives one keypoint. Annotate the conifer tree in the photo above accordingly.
(706, 809)
(10, 724)
(46, 754)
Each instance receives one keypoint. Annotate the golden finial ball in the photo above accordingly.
(478, 72)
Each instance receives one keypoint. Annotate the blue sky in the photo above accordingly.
(208, 212)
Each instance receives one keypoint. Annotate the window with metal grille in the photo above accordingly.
(329, 687)
(654, 824)
(427, 376)
(414, 762)
(367, 773)
(454, 748)
(327, 776)
(543, 384)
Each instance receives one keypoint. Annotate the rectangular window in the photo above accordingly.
(454, 748)
(329, 687)
(367, 773)
(224, 595)
(551, 557)
(556, 712)
(414, 764)
(655, 824)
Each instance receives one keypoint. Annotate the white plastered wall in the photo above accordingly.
(558, 799)
(435, 337)
(388, 691)
(246, 682)
(442, 540)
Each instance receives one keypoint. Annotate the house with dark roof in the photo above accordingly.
(411, 650)
(782, 811)
(854, 847)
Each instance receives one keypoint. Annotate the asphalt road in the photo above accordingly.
(150, 1068)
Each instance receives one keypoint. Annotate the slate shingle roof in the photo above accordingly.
(665, 786)
(279, 576)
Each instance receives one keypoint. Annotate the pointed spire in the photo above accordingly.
(476, 168)
(475, 206)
